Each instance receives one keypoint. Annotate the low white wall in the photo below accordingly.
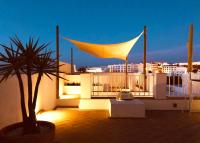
(150, 104)
(10, 109)
(69, 79)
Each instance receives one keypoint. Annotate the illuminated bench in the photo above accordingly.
(126, 109)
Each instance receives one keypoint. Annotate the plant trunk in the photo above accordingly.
(36, 90)
(23, 106)
(32, 117)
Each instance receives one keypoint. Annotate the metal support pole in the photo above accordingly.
(190, 49)
(72, 62)
(189, 68)
(126, 72)
(144, 60)
(57, 61)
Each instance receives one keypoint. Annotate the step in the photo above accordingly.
(97, 104)
(70, 96)
(68, 103)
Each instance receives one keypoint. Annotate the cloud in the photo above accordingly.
(170, 55)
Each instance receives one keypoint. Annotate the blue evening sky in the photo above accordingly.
(106, 21)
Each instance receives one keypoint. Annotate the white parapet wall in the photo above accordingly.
(10, 110)
(70, 89)
(73, 78)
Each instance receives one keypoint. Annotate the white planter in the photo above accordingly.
(72, 89)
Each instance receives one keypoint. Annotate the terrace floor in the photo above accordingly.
(89, 126)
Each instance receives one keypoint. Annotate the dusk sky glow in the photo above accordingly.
(106, 21)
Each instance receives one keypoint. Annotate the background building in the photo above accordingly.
(119, 68)
(153, 67)
(94, 69)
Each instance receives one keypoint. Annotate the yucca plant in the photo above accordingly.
(28, 59)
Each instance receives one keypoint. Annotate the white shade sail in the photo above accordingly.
(118, 51)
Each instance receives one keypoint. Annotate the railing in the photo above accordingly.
(177, 86)
(110, 84)
(174, 86)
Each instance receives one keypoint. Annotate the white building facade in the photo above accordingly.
(174, 69)
(120, 68)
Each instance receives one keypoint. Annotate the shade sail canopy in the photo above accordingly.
(118, 51)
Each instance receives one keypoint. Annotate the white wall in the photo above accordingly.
(10, 109)
(66, 67)
(9, 102)
(73, 78)
(46, 94)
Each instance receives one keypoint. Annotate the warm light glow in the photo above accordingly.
(94, 104)
(72, 89)
(54, 116)
(75, 96)
(38, 103)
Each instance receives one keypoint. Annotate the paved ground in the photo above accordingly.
(80, 126)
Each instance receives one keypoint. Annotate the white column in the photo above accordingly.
(86, 86)
(159, 89)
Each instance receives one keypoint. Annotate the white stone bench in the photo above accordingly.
(126, 109)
